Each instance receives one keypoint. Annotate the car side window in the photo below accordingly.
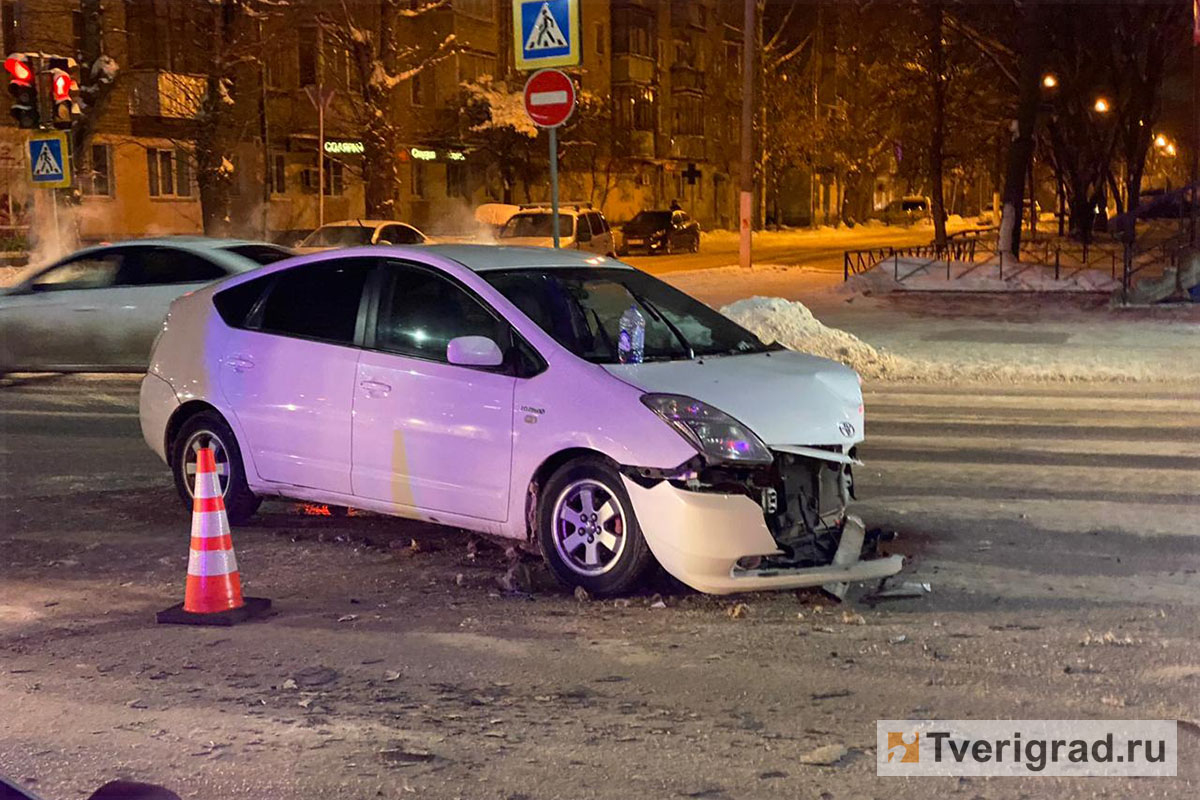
(604, 222)
(91, 271)
(400, 234)
(420, 311)
(316, 301)
(160, 266)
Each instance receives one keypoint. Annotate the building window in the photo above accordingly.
(418, 90)
(600, 38)
(8, 20)
(634, 107)
(456, 180)
(95, 177)
(169, 171)
(335, 178)
(689, 114)
(307, 43)
(418, 179)
(480, 9)
(733, 59)
(277, 173)
(633, 33)
(473, 66)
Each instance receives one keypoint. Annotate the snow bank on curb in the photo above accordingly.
(792, 325)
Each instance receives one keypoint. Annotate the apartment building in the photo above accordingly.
(662, 78)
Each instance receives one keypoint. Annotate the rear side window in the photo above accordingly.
(235, 304)
(261, 253)
(316, 301)
(158, 266)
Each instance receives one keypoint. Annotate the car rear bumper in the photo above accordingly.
(156, 403)
(699, 537)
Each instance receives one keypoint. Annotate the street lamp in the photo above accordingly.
(1170, 149)
(1160, 141)
(1049, 81)
(1101, 105)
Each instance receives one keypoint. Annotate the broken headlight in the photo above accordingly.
(711, 431)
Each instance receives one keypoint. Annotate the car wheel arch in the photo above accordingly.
(180, 417)
(542, 474)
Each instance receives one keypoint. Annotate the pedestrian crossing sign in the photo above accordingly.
(49, 161)
(546, 33)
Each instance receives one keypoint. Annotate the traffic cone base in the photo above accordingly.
(251, 607)
(213, 594)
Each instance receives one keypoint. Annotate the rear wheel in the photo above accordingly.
(587, 530)
(209, 429)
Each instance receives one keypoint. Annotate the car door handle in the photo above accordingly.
(375, 386)
(239, 363)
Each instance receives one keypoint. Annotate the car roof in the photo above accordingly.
(487, 257)
(190, 242)
(365, 223)
(561, 210)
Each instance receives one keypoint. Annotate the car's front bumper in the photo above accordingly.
(699, 537)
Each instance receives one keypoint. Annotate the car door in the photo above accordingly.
(149, 279)
(428, 434)
(288, 372)
(53, 319)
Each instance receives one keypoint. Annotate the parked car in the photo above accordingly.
(492, 217)
(100, 308)
(481, 387)
(356, 232)
(579, 227)
(663, 232)
(906, 211)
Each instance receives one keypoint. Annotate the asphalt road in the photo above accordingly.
(1044, 517)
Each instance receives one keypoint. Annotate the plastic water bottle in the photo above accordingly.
(631, 341)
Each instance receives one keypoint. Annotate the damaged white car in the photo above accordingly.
(565, 400)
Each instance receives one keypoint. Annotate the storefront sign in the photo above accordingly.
(344, 147)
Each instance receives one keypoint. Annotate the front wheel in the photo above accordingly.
(209, 429)
(587, 530)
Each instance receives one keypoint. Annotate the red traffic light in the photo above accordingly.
(60, 86)
(19, 69)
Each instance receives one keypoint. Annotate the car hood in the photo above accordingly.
(786, 397)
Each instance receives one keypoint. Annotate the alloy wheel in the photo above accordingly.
(589, 527)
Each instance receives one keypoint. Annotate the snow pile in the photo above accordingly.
(792, 325)
(925, 275)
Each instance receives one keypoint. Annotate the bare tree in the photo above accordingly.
(385, 52)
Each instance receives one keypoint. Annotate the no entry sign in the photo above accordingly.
(549, 98)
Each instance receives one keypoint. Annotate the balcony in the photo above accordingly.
(627, 67)
(635, 144)
(687, 147)
(172, 95)
(686, 78)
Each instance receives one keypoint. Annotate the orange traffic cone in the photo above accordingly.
(213, 595)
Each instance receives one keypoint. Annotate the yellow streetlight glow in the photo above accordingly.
(1160, 141)
(1101, 105)
(1049, 81)
(1170, 149)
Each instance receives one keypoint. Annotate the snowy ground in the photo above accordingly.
(964, 337)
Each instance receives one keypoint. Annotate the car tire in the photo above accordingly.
(609, 556)
(210, 428)
(696, 243)
(666, 248)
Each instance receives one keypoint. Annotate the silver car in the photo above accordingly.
(99, 309)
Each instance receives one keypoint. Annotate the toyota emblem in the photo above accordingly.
(846, 428)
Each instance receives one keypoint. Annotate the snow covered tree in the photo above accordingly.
(389, 44)
(491, 118)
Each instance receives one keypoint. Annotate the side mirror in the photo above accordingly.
(474, 351)
(383, 242)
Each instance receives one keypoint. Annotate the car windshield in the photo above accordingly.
(914, 205)
(260, 253)
(338, 236)
(536, 225)
(651, 219)
(582, 307)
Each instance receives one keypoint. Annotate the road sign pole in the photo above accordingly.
(554, 183)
